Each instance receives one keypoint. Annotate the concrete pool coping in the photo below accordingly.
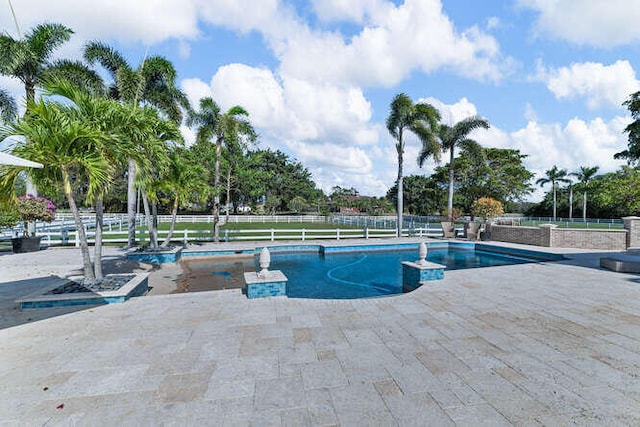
(549, 343)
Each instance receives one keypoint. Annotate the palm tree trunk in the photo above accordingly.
(153, 244)
(216, 197)
(226, 220)
(154, 223)
(174, 213)
(584, 206)
(131, 203)
(554, 201)
(400, 182)
(570, 202)
(450, 200)
(30, 89)
(89, 276)
(97, 249)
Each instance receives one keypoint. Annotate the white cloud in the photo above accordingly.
(149, 21)
(569, 146)
(599, 84)
(451, 114)
(349, 10)
(416, 35)
(601, 23)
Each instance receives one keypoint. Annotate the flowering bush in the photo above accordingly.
(486, 207)
(32, 208)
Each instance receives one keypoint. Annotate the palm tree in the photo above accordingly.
(8, 107)
(184, 179)
(59, 137)
(584, 175)
(28, 58)
(457, 136)
(225, 128)
(421, 119)
(553, 176)
(153, 82)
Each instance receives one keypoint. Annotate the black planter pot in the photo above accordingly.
(26, 244)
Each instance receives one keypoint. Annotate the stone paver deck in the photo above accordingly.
(532, 344)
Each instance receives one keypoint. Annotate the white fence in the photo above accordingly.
(50, 238)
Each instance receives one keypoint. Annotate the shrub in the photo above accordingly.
(31, 208)
(486, 207)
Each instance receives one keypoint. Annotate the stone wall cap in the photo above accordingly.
(271, 276)
(427, 265)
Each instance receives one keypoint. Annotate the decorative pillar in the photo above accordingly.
(265, 283)
(632, 225)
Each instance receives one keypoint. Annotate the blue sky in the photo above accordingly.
(317, 76)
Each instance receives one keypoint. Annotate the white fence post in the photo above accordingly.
(186, 236)
(272, 235)
(366, 232)
(337, 234)
(303, 234)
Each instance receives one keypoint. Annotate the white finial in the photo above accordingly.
(422, 251)
(265, 260)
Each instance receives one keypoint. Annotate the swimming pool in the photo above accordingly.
(349, 272)
(363, 274)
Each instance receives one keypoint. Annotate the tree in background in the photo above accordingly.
(452, 137)
(298, 205)
(223, 128)
(553, 176)
(422, 195)
(498, 173)
(632, 153)
(282, 178)
(584, 175)
(421, 119)
(183, 180)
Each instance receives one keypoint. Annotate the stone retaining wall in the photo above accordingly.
(550, 236)
(632, 224)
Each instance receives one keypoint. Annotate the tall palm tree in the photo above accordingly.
(57, 136)
(28, 58)
(153, 82)
(226, 128)
(421, 119)
(553, 176)
(584, 175)
(8, 107)
(456, 136)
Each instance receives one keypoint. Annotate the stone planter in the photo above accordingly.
(26, 244)
(471, 230)
(448, 229)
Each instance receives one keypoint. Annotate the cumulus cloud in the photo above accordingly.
(150, 21)
(597, 83)
(451, 114)
(569, 146)
(601, 23)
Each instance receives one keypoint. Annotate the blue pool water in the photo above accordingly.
(362, 274)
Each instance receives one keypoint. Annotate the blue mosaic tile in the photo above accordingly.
(264, 290)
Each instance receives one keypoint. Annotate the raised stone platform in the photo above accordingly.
(414, 274)
(44, 299)
(621, 265)
(270, 284)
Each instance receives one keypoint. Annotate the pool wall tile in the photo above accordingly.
(273, 284)
(414, 274)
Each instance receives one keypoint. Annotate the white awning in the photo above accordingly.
(8, 159)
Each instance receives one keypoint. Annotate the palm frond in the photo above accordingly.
(43, 39)
(8, 106)
(96, 52)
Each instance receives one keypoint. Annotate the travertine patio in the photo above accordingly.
(551, 343)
